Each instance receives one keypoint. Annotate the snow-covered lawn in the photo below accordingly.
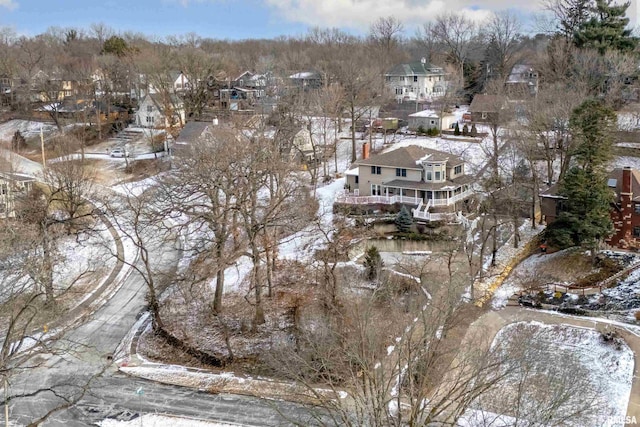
(504, 258)
(152, 420)
(27, 129)
(574, 368)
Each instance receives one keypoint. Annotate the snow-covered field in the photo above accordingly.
(589, 379)
(153, 420)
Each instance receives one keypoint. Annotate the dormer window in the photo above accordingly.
(457, 170)
(438, 175)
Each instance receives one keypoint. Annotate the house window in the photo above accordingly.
(433, 122)
(376, 189)
(457, 170)
(398, 91)
(437, 176)
(415, 78)
(484, 115)
(401, 172)
(429, 176)
(149, 108)
(636, 208)
(150, 119)
(636, 231)
(357, 179)
(376, 170)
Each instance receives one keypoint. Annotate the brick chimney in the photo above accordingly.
(365, 151)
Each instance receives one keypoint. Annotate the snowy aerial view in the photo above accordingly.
(332, 213)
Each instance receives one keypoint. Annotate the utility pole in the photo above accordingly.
(44, 160)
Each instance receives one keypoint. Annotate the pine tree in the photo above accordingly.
(592, 125)
(606, 29)
(373, 263)
(465, 130)
(456, 130)
(404, 221)
(584, 219)
(474, 130)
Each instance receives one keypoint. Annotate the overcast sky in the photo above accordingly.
(238, 19)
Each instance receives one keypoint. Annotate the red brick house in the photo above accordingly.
(625, 208)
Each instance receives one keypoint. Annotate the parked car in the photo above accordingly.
(120, 152)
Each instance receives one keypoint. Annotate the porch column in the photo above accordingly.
(448, 197)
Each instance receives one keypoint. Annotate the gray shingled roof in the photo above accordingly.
(192, 131)
(486, 104)
(406, 158)
(414, 69)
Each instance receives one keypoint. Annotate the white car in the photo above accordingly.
(120, 152)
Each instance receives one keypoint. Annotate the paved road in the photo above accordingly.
(85, 351)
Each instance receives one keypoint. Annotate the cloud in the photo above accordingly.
(9, 4)
(361, 13)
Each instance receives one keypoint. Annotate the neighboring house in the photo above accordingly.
(486, 108)
(84, 110)
(11, 186)
(156, 112)
(303, 146)
(522, 81)
(306, 80)
(193, 132)
(625, 208)
(180, 81)
(416, 81)
(428, 179)
(429, 119)
(177, 82)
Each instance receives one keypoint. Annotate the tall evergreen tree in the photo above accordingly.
(585, 219)
(606, 29)
(592, 125)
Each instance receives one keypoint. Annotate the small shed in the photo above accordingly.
(430, 119)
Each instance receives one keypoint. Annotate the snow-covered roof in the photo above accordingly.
(305, 75)
(352, 172)
(425, 113)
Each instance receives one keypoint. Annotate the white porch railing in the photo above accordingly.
(452, 200)
(355, 199)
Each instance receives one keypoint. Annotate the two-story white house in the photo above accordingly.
(416, 81)
(428, 179)
(157, 112)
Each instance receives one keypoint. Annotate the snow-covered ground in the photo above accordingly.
(27, 129)
(506, 253)
(566, 359)
(527, 270)
(154, 420)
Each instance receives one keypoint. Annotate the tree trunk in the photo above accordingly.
(353, 131)
(258, 318)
